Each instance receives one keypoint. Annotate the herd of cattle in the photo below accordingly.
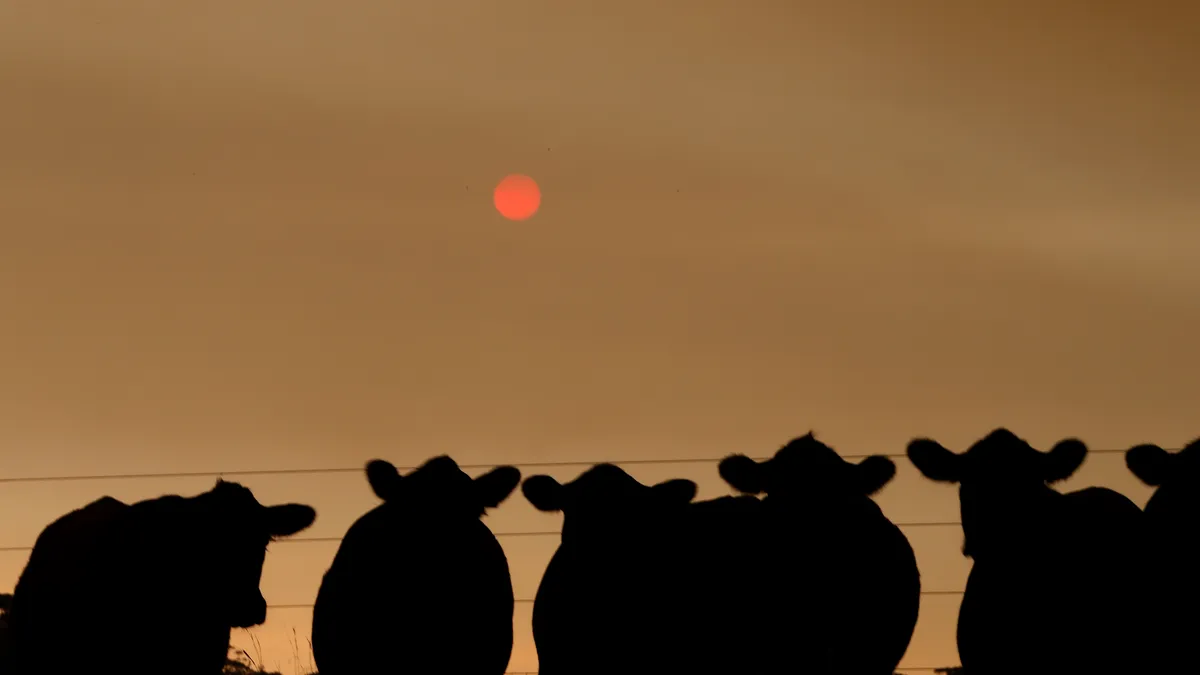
(801, 573)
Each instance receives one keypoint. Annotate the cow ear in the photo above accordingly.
(285, 520)
(1063, 460)
(1150, 463)
(545, 493)
(934, 461)
(384, 478)
(495, 486)
(874, 472)
(743, 474)
(675, 491)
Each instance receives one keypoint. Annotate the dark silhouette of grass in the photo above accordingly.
(240, 662)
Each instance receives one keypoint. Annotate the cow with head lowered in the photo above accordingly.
(138, 587)
(1173, 523)
(606, 600)
(839, 580)
(419, 583)
(1052, 588)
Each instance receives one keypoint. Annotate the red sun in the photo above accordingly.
(517, 197)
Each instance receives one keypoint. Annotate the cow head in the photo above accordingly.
(1176, 475)
(1000, 460)
(440, 488)
(238, 529)
(606, 499)
(807, 469)
(1002, 479)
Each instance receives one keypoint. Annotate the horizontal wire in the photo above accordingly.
(360, 469)
(899, 669)
(544, 533)
(530, 600)
(919, 669)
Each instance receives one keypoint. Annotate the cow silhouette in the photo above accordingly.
(419, 584)
(174, 573)
(605, 603)
(1053, 587)
(1173, 521)
(718, 585)
(841, 579)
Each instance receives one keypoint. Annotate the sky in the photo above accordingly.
(259, 236)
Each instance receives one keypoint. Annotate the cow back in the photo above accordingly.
(605, 605)
(413, 595)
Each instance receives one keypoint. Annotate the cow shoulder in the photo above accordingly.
(1102, 505)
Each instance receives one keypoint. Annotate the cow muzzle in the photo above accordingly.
(250, 614)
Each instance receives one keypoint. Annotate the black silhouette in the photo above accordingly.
(718, 584)
(1053, 586)
(5, 644)
(811, 578)
(842, 590)
(1172, 518)
(419, 584)
(605, 602)
(176, 572)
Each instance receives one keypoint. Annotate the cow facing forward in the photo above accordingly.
(138, 587)
(606, 599)
(1173, 520)
(1053, 586)
(842, 588)
(420, 584)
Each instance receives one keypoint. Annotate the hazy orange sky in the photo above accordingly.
(260, 236)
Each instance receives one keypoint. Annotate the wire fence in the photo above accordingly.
(543, 533)
(465, 467)
(469, 467)
(904, 669)
(529, 601)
